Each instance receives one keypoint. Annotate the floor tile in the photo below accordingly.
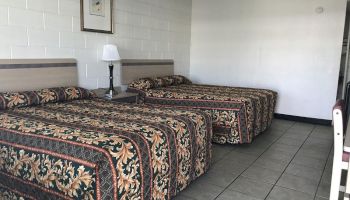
(296, 135)
(327, 176)
(329, 164)
(294, 140)
(277, 155)
(262, 143)
(251, 187)
(303, 126)
(202, 190)
(230, 166)
(314, 140)
(323, 190)
(303, 171)
(262, 174)
(324, 132)
(240, 158)
(312, 153)
(277, 151)
(303, 152)
(280, 193)
(182, 197)
(274, 132)
(233, 195)
(290, 141)
(219, 178)
(322, 135)
(278, 124)
(277, 165)
(308, 161)
(298, 183)
(320, 198)
(324, 128)
(219, 152)
(317, 147)
(296, 131)
(250, 149)
(271, 135)
(284, 148)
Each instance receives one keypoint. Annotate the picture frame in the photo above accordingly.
(96, 16)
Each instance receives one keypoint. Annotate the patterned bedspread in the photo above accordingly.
(93, 149)
(239, 114)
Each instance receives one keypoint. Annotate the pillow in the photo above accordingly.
(160, 82)
(171, 80)
(51, 95)
(149, 83)
(142, 84)
(177, 80)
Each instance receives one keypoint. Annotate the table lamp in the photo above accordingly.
(110, 54)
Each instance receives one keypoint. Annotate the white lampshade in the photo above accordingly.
(110, 53)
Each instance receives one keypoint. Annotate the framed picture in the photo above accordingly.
(96, 16)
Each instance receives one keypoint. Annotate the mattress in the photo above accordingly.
(95, 149)
(238, 114)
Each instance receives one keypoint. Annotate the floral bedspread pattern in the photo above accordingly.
(49, 95)
(238, 114)
(94, 149)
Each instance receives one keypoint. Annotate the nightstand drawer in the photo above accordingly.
(125, 97)
(132, 99)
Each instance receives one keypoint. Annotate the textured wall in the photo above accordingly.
(144, 29)
(279, 44)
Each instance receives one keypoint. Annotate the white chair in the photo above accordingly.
(341, 158)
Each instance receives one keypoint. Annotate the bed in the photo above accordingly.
(62, 143)
(238, 114)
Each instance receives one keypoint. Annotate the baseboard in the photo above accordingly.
(304, 119)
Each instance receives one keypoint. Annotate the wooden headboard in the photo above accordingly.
(134, 69)
(33, 74)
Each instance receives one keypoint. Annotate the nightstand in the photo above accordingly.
(125, 97)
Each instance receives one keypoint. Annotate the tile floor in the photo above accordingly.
(290, 161)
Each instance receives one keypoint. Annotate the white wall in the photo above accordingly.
(144, 29)
(283, 45)
(279, 44)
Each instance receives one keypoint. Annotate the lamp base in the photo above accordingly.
(110, 93)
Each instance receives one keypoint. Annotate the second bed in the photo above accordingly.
(238, 114)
